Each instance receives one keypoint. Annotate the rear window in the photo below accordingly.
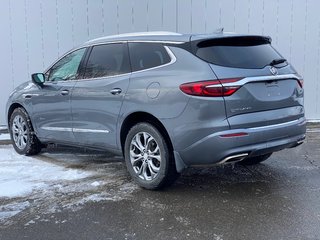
(237, 52)
(147, 55)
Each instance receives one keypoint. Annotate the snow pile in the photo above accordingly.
(51, 182)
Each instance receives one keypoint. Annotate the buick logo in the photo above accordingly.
(273, 70)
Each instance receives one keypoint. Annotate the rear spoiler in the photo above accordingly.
(229, 40)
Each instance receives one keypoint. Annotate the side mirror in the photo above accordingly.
(38, 79)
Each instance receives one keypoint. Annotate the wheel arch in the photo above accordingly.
(137, 117)
(12, 107)
(33, 145)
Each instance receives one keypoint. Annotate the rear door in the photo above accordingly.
(97, 97)
(268, 90)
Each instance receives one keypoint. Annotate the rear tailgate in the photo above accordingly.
(266, 94)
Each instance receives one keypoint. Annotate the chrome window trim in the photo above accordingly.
(170, 53)
(111, 42)
(100, 78)
(172, 61)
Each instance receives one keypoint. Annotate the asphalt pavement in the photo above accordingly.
(278, 199)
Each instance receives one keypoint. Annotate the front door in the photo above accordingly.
(51, 104)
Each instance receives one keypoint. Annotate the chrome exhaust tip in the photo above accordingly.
(234, 158)
(300, 142)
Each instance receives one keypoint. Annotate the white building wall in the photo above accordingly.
(36, 32)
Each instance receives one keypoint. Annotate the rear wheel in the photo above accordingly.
(255, 160)
(24, 140)
(148, 158)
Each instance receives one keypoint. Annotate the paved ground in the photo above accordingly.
(279, 199)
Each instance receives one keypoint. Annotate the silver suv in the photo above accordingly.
(166, 101)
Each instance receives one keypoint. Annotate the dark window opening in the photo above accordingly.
(107, 60)
(147, 55)
(244, 52)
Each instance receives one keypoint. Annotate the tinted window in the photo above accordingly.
(108, 60)
(67, 67)
(238, 53)
(147, 55)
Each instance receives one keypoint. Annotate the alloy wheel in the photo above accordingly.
(19, 132)
(145, 156)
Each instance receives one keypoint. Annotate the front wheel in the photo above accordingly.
(148, 158)
(24, 140)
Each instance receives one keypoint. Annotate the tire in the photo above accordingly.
(148, 157)
(24, 141)
(255, 160)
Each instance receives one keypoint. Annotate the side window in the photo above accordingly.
(147, 55)
(67, 67)
(108, 60)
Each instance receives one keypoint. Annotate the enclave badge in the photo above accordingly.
(273, 70)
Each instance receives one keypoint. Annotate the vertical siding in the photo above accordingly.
(169, 9)
(312, 58)
(34, 33)
(6, 57)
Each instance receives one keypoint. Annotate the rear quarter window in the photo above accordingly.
(237, 52)
(147, 55)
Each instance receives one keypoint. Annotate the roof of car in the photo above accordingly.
(143, 36)
(169, 37)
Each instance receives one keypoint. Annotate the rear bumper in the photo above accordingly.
(213, 149)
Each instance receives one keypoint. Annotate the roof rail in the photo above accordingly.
(137, 34)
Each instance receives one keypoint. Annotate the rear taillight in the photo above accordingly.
(210, 88)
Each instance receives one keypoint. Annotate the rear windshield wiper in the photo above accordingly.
(277, 61)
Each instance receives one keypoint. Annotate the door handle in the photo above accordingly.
(116, 91)
(64, 92)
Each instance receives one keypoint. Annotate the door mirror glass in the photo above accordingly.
(38, 78)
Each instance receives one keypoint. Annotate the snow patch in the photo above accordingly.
(305, 168)
(217, 237)
(12, 209)
(95, 184)
(21, 175)
(313, 130)
(49, 182)
(182, 220)
(15, 188)
(4, 136)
